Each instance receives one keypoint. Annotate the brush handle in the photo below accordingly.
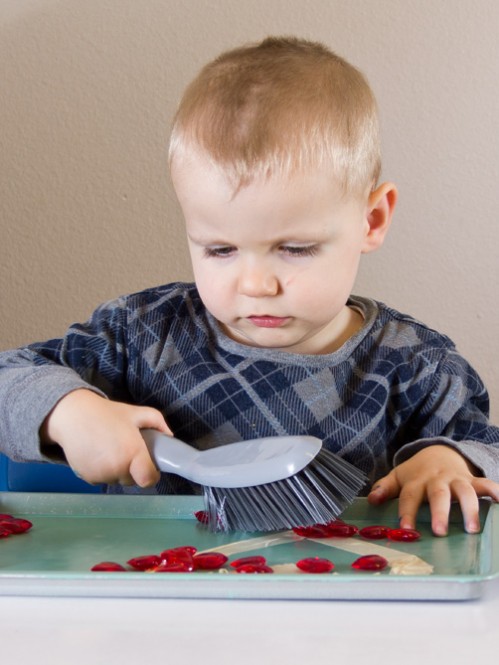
(240, 464)
(170, 454)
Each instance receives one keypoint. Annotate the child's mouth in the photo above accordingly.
(267, 321)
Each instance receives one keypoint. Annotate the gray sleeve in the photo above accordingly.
(455, 413)
(33, 379)
(28, 393)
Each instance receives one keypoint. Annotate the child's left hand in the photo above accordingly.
(437, 474)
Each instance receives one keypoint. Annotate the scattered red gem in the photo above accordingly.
(406, 535)
(316, 531)
(370, 562)
(184, 550)
(333, 529)
(108, 567)
(5, 533)
(178, 556)
(173, 568)
(209, 561)
(202, 516)
(315, 564)
(22, 525)
(4, 516)
(338, 529)
(15, 525)
(374, 532)
(256, 568)
(255, 560)
(145, 562)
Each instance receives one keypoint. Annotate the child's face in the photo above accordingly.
(276, 261)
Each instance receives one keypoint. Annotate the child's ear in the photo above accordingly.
(380, 207)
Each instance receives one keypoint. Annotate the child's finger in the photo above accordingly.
(408, 510)
(468, 500)
(385, 488)
(143, 470)
(439, 498)
(468, 497)
(486, 487)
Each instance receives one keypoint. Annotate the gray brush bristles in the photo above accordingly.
(315, 495)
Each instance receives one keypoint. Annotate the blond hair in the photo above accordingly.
(281, 107)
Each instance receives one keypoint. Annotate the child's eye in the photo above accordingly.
(300, 250)
(220, 252)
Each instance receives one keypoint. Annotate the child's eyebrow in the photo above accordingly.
(200, 240)
(303, 241)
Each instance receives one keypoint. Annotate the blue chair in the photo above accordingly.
(41, 477)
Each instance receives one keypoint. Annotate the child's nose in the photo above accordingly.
(257, 281)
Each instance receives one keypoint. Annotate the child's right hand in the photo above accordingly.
(101, 439)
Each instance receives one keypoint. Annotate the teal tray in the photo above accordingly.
(73, 532)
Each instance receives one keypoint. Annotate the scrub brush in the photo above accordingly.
(265, 484)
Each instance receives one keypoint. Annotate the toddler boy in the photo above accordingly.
(275, 160)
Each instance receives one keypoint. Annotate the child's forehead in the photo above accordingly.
(278, 207)
(192, 170)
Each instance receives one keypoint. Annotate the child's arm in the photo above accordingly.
(437, 474)
(101, 439)
(38, 384)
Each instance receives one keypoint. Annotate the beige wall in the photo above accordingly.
(88, 89)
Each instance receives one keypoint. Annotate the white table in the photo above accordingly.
(94, 631)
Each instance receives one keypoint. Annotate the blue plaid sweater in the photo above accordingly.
(393, 388)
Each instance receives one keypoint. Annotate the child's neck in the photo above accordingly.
(349, 322)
